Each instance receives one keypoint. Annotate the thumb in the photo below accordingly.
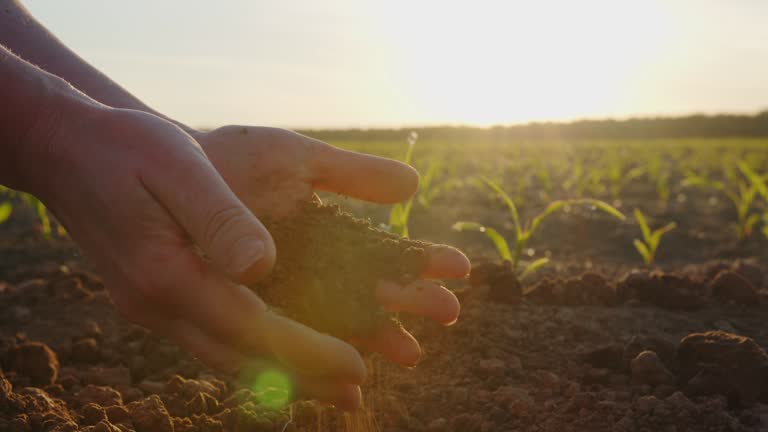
(217, 221)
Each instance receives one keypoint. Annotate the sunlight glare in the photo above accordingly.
(494, 61)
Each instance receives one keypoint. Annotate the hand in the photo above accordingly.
(271, 170)
(138, 195)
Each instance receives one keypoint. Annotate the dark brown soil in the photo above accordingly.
(578, 347)
(327, 268)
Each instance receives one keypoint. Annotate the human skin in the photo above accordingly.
(141, 194)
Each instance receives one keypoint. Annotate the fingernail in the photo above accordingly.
(247, 251)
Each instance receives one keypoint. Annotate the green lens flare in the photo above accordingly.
(273, 389)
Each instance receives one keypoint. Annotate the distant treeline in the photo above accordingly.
(693, 126)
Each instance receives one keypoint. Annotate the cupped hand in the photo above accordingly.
(271, 170)
(141, 199)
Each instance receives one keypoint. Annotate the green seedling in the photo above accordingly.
(542, 174)
(650, 243)
(400, 212)
(760, 183)
(662, 187)
(429, 188)
(524, 232)
(742, 196)
(619, 179)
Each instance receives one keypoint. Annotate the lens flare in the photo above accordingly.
(273, 389)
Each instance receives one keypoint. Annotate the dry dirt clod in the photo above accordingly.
(665, 290)
(117, 414)
(664, 348)
(93, 414)
(35, 361)
(6, 390)
(718, 362)
(103, 426)
(150, 415)
(85, 351)
(647, 368)
(496, 281)
(104, 396)
(117, 376)
(515, 400)
(730, 287)
(751, 272)
(606, 357)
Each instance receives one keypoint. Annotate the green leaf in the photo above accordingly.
(536, 221)
(498, 240)
(655, 239)
(501, 245)
(750, 223)
(398, 218)
(508, 201)
(757, 181)
(6, 209)
(695, 180)
(643, 251)
(605, 207)
(643, 225)
(396, 214)
(426, 180)
(533, 266)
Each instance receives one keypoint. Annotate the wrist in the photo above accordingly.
(49, 113)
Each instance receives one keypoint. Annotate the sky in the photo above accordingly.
(399, 63)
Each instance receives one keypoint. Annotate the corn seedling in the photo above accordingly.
(524, 231)
(650, 243)
(618, 178)
(742, 196)
(399, 213)
(429, 188)
(542, 174)
(658, 174)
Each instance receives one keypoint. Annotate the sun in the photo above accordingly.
(499, 61)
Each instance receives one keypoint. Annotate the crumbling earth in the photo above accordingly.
(328, 267)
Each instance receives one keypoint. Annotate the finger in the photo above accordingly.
(362, 176)
(446, 262)
(344, 396)
(206, 348)
(394, 343)
(424, 298)
(238, 316)
(202, 203)
(209, 350)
